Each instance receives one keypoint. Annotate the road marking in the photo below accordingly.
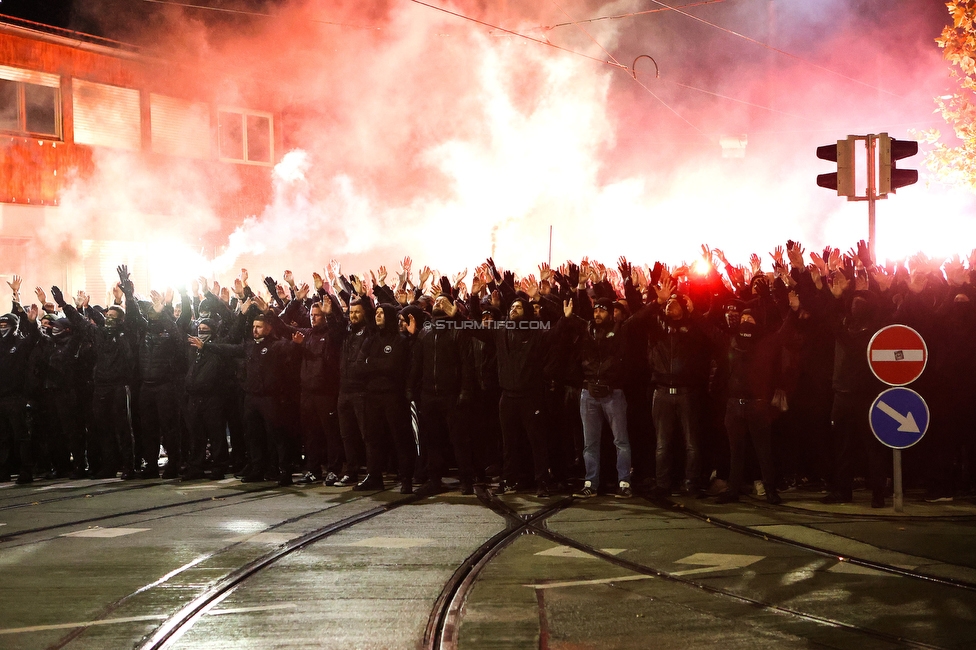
(105, 532)
(391, 542)
(246, 610)
(857, 569)
(578, 583)
(138, 619)
(567, 551)
(264, 538)
(715, 562)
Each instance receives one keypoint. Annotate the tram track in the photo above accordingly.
(133, 512)
(184, 619)
(673, 506)
(537, 525)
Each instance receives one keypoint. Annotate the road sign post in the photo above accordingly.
(899, 416)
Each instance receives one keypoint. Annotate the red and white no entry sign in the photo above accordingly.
(897, 355)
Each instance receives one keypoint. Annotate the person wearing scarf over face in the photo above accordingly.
(207, 375)
(754, 383)
(15, 350)
(115, 342)
(387, 409)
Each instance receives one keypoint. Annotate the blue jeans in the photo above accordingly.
(592, 411)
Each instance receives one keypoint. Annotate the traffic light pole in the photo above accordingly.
(872, 192)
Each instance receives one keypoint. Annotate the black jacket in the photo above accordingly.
(388, 359)
(115, 349)
(442, 363)
(162, 348)
(265, 363)
(15, 352)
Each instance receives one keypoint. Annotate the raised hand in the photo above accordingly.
(721, 256)
(755, 263)
(459, 277)
(168, 296)
(195, 342)
(357, 284)
(41, 296)
(281, 292)
(819, 263)
(545, 273)
(302, 292)
(625, 268)
(664, 290)
(777, 255)
(317, 279)
(261, 303)
(238, 288)
(117, 293)
(225, 295)
(864, 254)
(215, 288)
(32, 312)
(568, 308)
(58, 297)
(246, 305)
(838, 284)
(425, 274)
(298, 338)
(477, 283)
(244, 276)
(157, 300)
(289, 277)
(15, 283)
(794, 301)
(833, 263)
(795, 253)
(531, 287)
(381, 276)
(883, 280)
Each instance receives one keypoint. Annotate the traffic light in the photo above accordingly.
(890, 178)
(842, 180)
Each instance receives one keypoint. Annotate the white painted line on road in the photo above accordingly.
(856, 569)
(247, 610)
(715, 562)
(264, 538)
(105, 532)
(580, 583)
(71, 626)
(391, 542)
(568, 551)
(138, 619)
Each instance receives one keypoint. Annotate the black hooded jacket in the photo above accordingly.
(389, 356)
(116, 351)
(15, 352)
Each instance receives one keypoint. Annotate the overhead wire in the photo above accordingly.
(245, 12)
(629, 15)
(541, 41)
(677, 9)
(638, 81)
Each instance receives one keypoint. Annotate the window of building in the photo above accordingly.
(245, 136)
(30, 102)
(179, 127)
(106, 116)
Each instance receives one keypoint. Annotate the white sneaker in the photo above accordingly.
(760, 488)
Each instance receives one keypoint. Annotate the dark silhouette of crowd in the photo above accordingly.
(711, 380)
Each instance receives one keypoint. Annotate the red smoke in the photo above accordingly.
(426, 134)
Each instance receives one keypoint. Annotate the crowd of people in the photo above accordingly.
(585, 379)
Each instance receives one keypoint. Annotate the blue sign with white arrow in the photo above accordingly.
(899, 418)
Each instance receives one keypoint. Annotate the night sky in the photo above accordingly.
(49, 12)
